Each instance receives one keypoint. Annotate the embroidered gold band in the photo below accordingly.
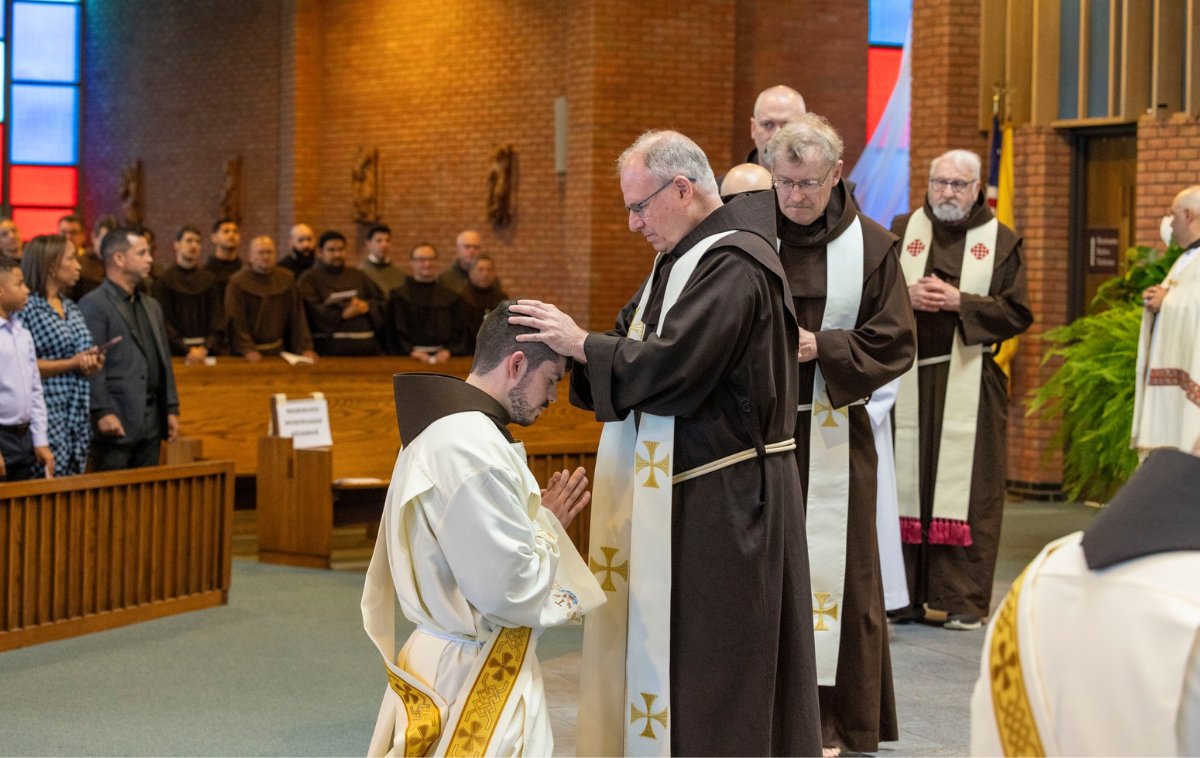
(1010, 698)
(424, 720)
(493, 686)
(729, 460)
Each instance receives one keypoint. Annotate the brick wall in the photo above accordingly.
(818, 47)
(182, 87)
(1168, 155)
(1041, 180)
(945, 71)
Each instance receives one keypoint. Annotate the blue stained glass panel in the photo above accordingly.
(1098, 59)
(1068, 60)
(45, 124)
(45, 42)
(2, 60)
(887, 21)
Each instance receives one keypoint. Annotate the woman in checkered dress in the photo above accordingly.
(66, 352)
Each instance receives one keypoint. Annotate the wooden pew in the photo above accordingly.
(85, 553)
(298, 498)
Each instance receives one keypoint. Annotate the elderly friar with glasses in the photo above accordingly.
(856, 337)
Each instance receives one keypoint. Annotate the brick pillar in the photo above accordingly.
(945, 72)
(300, 116)
(1168, 155)
(618, 89)
(1041, 178)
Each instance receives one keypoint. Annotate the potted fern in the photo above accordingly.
(1093, 389)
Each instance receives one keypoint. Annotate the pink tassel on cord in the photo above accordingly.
(910, 530)
(941, 532)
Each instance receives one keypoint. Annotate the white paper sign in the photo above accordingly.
(305, 421)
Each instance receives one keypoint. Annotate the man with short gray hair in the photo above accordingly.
(697, 522)
(966, 278)
(856, 336)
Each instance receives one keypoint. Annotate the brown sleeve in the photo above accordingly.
(235, 312)
(301, 335)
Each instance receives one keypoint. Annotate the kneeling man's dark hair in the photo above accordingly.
(497, 339)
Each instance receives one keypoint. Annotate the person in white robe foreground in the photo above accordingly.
(477, 555)
(1096, 650)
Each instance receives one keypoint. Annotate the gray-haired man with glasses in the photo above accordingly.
(720, 365)
(966, 277)
(856, 336)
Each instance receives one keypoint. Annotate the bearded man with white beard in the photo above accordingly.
(966, 279)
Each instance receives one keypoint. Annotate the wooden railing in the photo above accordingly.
(86, 553)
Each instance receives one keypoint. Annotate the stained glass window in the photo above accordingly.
(887, 23)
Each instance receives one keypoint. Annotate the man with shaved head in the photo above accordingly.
(302, 243)
(266, 313)
(773, 109)
(457, 276)
(745, 177)
(965, 273)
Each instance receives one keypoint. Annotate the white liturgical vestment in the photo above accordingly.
(481, 567)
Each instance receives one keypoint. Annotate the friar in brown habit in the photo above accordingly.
(856, 335)
(969, 295)
(265, 311)
(720, 370)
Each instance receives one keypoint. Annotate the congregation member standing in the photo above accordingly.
(133, 401)
(378, 264)
(856, 335)
(91, 274)
(468, 246)
(191, 301)
(427, 320)
(224, 263)
(482, 295)
(66, 353)
(10, 239)
(966, 279)
(345, 309)
(265, 312)
(705, 646)
(774, 108)
(24, 448)
(1167, 404)
(301, 243)
(104, 225)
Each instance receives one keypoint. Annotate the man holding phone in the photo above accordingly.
(133, 401)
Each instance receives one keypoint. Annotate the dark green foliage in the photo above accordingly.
(1094, 388)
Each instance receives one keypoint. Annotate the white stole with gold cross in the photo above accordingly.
(956, 448)
(625, 683)
(828, 495)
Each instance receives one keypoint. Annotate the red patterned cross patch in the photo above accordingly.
(980, 251)
(915, 248)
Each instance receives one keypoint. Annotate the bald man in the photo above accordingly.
(745, 177)
(266, 313)
(303, 243)
(457, 276)
(774, 107)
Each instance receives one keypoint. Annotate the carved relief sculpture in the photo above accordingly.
(132, 210)
(230, 202)
(501, 201)
(364, 181)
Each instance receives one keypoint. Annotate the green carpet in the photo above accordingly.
(284, 669)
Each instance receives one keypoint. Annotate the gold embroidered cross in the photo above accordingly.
(821, 611)
(502, 667)
(651, 464)
(829, 410)
(637, 329)
(472, 736)
(636, 714)
(609, 569)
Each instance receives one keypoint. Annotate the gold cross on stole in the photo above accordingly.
(609, 569)
(651, 464)
(829, 410)
(637, 329)
(636, 714)
(821, 611)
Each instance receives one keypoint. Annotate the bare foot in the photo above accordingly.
(830, 752)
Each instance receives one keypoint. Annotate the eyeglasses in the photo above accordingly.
(958, 185)
(807, 186)
(639, 209)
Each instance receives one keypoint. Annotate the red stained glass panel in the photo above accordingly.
(34, 221)
(43, 185)
(883, 69)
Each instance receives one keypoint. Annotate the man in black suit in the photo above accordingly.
(133, 400)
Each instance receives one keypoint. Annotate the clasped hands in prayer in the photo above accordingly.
(566, 495)
(1152, 298)
(931, 295)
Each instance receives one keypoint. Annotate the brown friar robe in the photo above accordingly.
(332, 334)
(192, 310)
(951, 578)
(266, 313)
(479, 304)
(743, 668)
(861, 709)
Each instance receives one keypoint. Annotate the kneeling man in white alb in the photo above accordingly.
(477, 555)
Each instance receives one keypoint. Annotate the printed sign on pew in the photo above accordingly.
(305, 421)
